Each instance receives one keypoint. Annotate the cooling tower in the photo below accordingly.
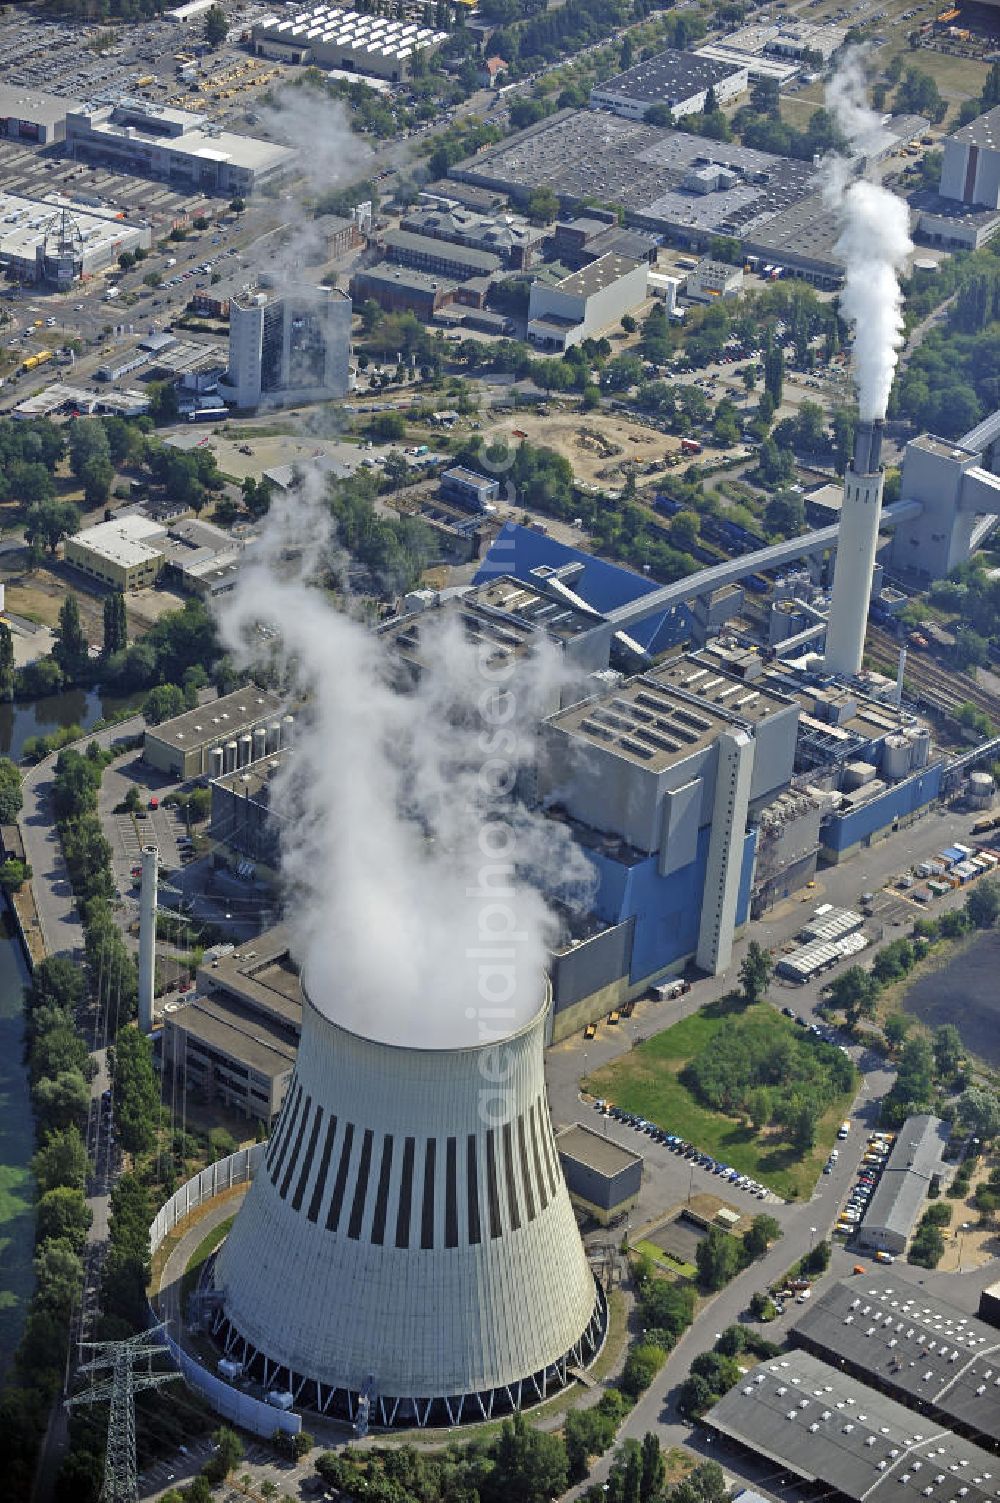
(856, 545)
(408, 1241)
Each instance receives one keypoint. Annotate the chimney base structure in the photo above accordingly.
(407, 1253)
(856, 547)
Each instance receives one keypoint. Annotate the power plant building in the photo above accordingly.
(287, 349)
(603, 1177)
(407, 1254)
(230, 732)
(958, 495)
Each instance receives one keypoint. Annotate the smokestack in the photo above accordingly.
(147, 936)
(867, 447)
(856, 546)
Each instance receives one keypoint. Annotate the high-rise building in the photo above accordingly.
(288, 348)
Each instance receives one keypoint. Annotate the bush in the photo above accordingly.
(641, 1366)
(937, 1215)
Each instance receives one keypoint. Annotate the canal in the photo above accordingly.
(82, 707)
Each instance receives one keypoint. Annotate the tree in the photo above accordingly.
(7, 667)
(979, 1112)
(10, 791)
(61, 1160)
(774, 371)
(717, 1258)
(70, 651)
(785, 513)
(854, 992)
(948, 1051)
(896, 1028)
(761, 1232)
(760, 1107)
(641, 1366)
(628, 323)
(229, 1452)
(136, 1088)
(63, 1101)
(163, 703)
(542, 206)
(528, 1465)
(59, 1275)
(654, 1468)
(63, 1212)
(48, 522)
(982, 906)
(755, 972)
(115, 624)
(761, 1306)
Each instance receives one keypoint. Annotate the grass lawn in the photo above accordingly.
(666, 1260)
(646, 1081)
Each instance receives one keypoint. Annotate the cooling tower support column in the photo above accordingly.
(856, 546)
(147, 936)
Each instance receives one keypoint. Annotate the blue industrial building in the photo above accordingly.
(842, 833)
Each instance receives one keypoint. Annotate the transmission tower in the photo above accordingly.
(121, 1360)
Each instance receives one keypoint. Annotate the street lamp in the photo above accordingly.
(812, 1233)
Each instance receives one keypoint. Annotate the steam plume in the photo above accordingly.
(874, 243)
(411, 908)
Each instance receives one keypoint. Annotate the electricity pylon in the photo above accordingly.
(118, 1360)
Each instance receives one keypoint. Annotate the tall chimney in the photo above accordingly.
(147, 936)
(856, 546)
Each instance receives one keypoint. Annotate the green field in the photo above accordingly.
(646, 1081)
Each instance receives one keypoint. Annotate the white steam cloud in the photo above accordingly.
(874, 243)
(410, 863)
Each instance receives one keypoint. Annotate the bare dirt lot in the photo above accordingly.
(38, 593)
(603, 448)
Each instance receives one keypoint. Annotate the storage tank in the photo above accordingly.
(896, 754)
(215, 762)
(981, 789)
(246, 749)
(230, 757)
(273, 737)
(287, 729)
(259, 743)
(857, 774)
(919, 738)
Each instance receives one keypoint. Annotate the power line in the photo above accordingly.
(119, 1359)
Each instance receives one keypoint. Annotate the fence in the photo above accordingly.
(232, 1403)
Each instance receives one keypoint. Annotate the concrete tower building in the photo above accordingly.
(407, 1249)
(288, 349)
(856, 546)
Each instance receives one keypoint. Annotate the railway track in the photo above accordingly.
(941, 689)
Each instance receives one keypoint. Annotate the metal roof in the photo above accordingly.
(911, 1344)
(827, 1427)
(915, 1157)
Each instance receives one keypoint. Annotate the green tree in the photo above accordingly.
(61, 1160)
(717, 1258)
(755, 972)
(760, 1107)
(948, 1051)
(785, 513)
(762, 1231)
(641, 1366)
(58, 1275)
(63, 1101)
(115, 624)
(854, 992)
(11, 799)
(228, 1454)
(136, 1089)
(979, 1112)
(163, 702)
(542, 206)
(982, 906)
(47, 522)
(7, 668)
(774, 371)
(63, 1212)
(71, 651)
(528, 1464)
(654, 1468)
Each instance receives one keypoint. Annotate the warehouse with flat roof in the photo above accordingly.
(331, 36)
(912, 1164)
(123, 553)
(911, 1345)
(32, 116)
(825, 1427)
(679, 80)
(183, 747)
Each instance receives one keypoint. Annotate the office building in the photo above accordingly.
(678, 80)
(330, 36)
(404, 1253)
(468, 489)
(288, 348)
(439, 257)
(235, 1041)
(586, 302)
(221, 736)
(891, 1332)
(807, 1418)
(397, 289)
(177, 147)
(123, 553)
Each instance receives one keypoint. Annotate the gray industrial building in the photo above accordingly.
(823, 1426)
(245, 825)
(914, 1161)
(586, 302)
(603, 1178)
(235, 1042)
(330, 36)
(508, 236)
(468, 489)
(956, 491)
(54, 240)
(32, 116)
(908, 1343)
(679, 80)
(176, 146)
(424, 253)
(230, 732)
